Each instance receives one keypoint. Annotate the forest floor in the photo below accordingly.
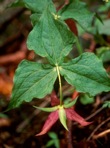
(19, 126)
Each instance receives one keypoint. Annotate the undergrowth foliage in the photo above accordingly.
(53, 37)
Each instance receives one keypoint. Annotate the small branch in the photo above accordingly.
(97, 128)
(14, 57)
(101, 134)
(101, 108)
(35, 113)
(18, 56)
(97, 111)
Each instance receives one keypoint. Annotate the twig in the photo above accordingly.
(11, 40)
(97, 111)
(100, 109)
(96, 129)
(27, 120)
(17, 56)
(101, 134)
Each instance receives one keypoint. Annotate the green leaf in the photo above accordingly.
(70, 104)
(103, 28)
(53, 135)
(55, 140)
(17, 3)
(38, 9)
(32, 80)
(62, 117)
(106, 104)
(87, 74)
(35, 18)
(77, 11)
(47, 109)
(103, 53)
(50, 143)
(86, 99)
(2, 115)
(36, 5)
(104, 7)
(51, 38)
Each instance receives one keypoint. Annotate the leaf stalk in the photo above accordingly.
(60, 85)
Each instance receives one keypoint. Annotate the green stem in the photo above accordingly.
(79, 47)
(60, 85)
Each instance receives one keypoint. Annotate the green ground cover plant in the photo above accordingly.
(52, 38)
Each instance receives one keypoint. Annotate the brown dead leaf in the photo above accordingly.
(5, 86)
(4, 122)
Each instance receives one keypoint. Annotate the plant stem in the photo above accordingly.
(60, 85)
(79, 47)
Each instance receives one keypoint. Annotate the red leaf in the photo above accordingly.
(52, 118)
(72, 115)
(54, 99)
(72, 25)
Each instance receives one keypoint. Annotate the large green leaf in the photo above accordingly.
(36, 5)
(32, 80)
(50, 38)
(87, 74)
(103, 28)
(78, 11)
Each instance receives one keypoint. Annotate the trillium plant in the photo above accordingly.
(53, 35)
(62, 112)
